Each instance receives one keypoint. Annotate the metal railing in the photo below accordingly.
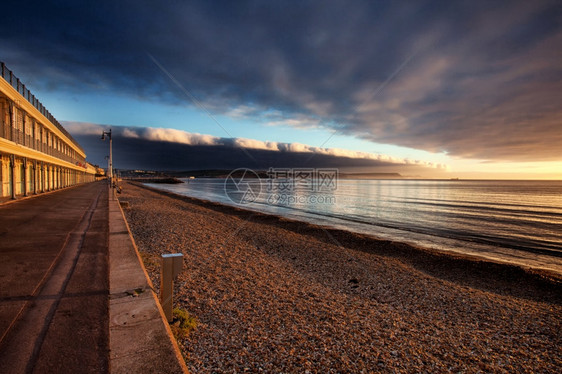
(17, 136)
(20, 87)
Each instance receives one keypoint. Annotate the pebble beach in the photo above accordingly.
(274, 295)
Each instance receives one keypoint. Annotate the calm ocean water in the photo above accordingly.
(514, 221)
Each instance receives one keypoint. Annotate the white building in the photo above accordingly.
(36, 153)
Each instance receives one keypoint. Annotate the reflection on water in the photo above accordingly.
(518, 221)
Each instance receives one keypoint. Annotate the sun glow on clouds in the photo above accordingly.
(184, 137)
(174, 136)
(475, 85)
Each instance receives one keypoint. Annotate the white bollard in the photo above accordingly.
(172, 264)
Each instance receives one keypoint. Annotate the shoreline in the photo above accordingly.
(273, 294)
(527, 258)
(450, 260)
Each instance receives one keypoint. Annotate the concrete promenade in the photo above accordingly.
(66, 304)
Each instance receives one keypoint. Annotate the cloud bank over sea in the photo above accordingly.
(171, 149)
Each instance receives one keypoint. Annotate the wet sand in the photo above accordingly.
(275, 295)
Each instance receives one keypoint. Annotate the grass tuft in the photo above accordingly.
(182, 323)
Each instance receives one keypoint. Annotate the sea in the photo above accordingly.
(518, 222)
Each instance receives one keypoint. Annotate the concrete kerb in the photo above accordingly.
(140, 339)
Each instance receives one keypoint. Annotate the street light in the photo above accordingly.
(106, 158)
(103, 134)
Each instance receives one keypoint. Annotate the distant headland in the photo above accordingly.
(149, 176)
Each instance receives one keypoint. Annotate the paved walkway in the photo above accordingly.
(55, 254)
(54, 282)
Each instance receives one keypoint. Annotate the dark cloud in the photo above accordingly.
(473, 79)
(144, 148)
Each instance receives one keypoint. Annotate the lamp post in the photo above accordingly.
(106, 158)
(103, 134)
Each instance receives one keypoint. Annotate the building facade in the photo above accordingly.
(36, 153)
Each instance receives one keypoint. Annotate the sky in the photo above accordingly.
(469, 89)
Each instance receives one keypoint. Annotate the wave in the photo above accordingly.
(519, 217)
